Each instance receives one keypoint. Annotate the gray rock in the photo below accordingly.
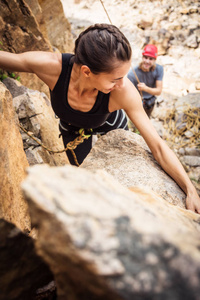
(188, 133)
(34, 156)
(194, 174)
(192, 161)
(181, 151)
(15, 87)
(35, 114)
(192, 151)
(103, 241)
(191, 99)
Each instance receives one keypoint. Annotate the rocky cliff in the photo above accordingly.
(27, 25)
(114, 228)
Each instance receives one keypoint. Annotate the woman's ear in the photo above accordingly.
(85, 70)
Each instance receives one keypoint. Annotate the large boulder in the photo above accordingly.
(103, 241)
(13, 164)
(126, 156)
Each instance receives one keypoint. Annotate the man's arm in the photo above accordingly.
(153, 91)
(46, 65)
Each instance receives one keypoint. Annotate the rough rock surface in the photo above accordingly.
(126, 156)
(19, 32)
(18, 21)
(58, 27)
(103, 241)
(13, 163)
(52, 23)
(35, 114)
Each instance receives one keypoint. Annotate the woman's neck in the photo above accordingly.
(81, 96)
(80, 83)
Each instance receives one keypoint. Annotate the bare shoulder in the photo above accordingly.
(126, 98)
(129, 99)
(46, 65)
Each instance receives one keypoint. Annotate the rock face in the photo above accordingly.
(58, 27)
(13, 163)
(126, 156)
(52, 23)
(19, 32)
(19, 29)
(103, 241)
(22, 271)
(36, 116)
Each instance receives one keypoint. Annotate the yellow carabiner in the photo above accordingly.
(81, 132)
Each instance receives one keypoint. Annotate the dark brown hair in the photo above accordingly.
(101, 47)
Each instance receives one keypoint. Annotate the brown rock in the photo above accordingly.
(13, 163)
(52, 23)
(19, 32)
(37, 12)
(58, 28)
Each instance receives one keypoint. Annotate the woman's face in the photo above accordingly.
(106, 82)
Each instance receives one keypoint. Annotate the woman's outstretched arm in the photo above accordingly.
(46, 65)
(132, 104)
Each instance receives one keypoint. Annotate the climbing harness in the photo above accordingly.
(70, 146)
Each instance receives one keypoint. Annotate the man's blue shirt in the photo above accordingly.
(149, 78)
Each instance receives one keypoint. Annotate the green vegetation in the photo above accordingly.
(135, 130)
(5, 74)
(132, 127)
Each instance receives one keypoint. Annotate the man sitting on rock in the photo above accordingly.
(147, 77)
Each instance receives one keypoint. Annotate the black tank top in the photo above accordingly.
(94, 118)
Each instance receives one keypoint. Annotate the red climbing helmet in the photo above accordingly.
(150, 50)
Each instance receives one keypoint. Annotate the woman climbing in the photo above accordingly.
(89, 90)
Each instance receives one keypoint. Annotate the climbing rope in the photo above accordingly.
(131, 66)
(190, 121)
(70, 146)
(137, 81)
(106, 11)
